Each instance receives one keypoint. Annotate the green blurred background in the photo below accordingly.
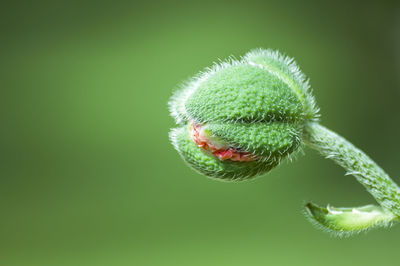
(88, 176)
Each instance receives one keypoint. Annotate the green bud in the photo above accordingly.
(241, 118)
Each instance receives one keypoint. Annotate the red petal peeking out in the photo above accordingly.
(222, 151)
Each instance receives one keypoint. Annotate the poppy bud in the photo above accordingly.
(241, 118)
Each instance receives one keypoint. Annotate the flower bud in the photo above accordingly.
(241, 118)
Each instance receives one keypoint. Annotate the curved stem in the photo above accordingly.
(357, 163)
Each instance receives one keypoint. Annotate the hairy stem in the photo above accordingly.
(357, 163)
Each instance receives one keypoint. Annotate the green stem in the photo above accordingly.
(366, 171)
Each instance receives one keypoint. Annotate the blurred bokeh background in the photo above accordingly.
(87, 173)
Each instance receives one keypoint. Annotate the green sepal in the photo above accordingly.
(210, 165)
(273, 140)
(243, 93)
(347, 221)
